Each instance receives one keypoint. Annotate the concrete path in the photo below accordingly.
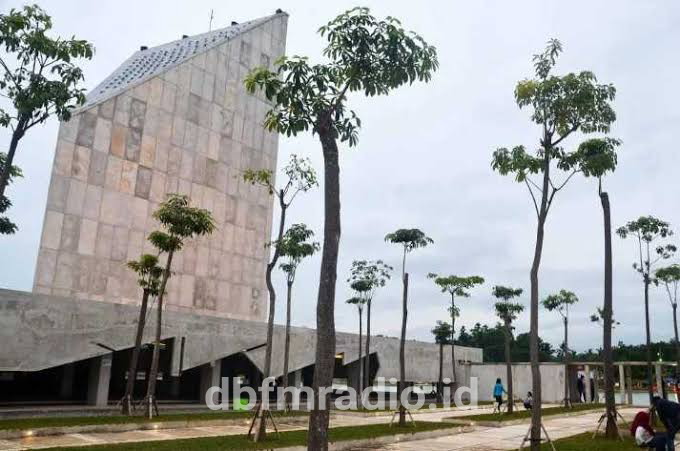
(486, 438)
(503, 438)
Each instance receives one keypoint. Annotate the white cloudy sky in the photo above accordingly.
(424, 152)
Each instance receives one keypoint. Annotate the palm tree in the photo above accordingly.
(455, 286)
(409, 239)
(294, 247)
(374, 274)
(560, 303)
(181, 222)
(507, 311)
(442, 336)
(359, 302)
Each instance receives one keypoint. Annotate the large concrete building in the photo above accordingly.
(172, 118)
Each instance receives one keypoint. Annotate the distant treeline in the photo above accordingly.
(491, 340)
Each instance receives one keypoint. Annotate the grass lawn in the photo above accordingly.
(45, 422)
(290, 438)
(523, 413)
(585, 442)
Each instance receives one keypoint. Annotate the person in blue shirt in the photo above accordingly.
(498, 391)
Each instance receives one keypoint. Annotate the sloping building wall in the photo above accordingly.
(172, 119)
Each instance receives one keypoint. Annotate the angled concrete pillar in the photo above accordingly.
(622, 383)
(66, 385)
(210, 376)
(98, 380)
(596, 386)
(586, 371)
(659, 379)
(297, 378)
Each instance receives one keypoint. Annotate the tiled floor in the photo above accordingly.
(504, 438)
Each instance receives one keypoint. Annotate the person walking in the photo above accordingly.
(498, 391)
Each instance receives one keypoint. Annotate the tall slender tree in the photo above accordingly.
(365, 55)
(507, 311)
(294, 247)
(669, 276)
(455, 286)
(562, 106)
(149, 273)
(300, 178)
(560, 303)
(374, 274)
(442, 336)
(408, 239)
(180, 222)
(601, 152)
(38, 78)
(359, 301)
(646, 230)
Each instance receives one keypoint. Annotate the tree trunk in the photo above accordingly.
(360, 361)
(677, 348)
(261, 428)
(367, 364)
(565, 359)
(150, 399)
(533, 314)
(453, 346)
(402, 353)
(508, 367)
(440, 384)
(611, 429)
(317, 438)
(648, 342)
(14, 142)
(286, 348)
(126, 404)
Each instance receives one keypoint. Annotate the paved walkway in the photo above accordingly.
(482, 439)
(503, 438)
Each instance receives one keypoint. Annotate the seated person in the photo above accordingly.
(529, 401)
(645, 437)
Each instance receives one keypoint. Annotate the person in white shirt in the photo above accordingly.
(645, 437)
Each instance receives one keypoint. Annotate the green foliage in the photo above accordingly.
(301, 178)
(455, 285)
(356, 300)
(442, 333)
(409, 238)
(295, 246)
(149, 272)
(45, 79)
(670, 277)
(491, 339)
(598, 317)
(366, 276)
(646, 230)
(364, 54)
(561, 105)
(507, 310)
(560, 302)
(181, 222)
(7, 227)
